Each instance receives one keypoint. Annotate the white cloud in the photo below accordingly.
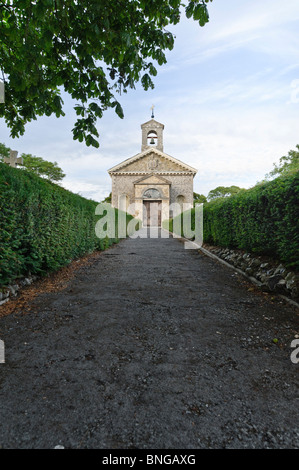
(97, 191)
(235, 18)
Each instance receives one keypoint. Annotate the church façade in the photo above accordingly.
(147, 184)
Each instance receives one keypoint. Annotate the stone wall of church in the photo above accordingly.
(123, 185)
(181, 185)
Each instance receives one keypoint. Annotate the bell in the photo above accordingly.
(152, 142)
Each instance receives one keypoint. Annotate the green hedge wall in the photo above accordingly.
(262, 220)
(42, 226)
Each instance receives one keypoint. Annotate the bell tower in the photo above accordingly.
(152, 134)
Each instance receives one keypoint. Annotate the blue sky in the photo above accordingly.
(228, 97)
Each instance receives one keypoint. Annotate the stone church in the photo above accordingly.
(147, 184)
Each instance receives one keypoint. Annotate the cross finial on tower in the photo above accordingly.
(152, 108)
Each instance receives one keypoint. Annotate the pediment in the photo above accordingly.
(152, 123)
(152, 160)
(152, 179)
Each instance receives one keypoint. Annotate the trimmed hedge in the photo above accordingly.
(262, 220)
(42, 226)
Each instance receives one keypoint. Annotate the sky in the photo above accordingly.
(228, 97)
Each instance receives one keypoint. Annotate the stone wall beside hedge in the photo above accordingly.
(271, 276)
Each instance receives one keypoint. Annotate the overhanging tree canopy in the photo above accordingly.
(89, 48)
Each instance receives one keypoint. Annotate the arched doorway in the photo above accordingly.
(152, 208)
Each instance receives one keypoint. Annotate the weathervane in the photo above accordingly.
(152, 108)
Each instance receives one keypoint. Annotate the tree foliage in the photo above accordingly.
(288, 165)
(199, 198)
(4, 152)
(108, 199)
(223, 191)
(43, 168)
(91, 49)
(36, 165)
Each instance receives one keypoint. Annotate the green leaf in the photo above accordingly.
(119, 110)
(88, 48)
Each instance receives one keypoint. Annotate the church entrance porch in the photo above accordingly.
(152, 213)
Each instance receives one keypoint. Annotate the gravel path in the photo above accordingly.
(151, 347)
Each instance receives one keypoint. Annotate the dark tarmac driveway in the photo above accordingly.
(151, 347)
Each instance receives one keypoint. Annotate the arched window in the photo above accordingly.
(123, 202)
(180, 200)
(152, 193)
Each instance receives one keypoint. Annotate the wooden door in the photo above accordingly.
(152, 213)
(146, 213)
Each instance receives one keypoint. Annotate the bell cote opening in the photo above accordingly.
(152, 135)
(152, 139)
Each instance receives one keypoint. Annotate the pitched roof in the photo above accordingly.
(130, 160)
(152, 122)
